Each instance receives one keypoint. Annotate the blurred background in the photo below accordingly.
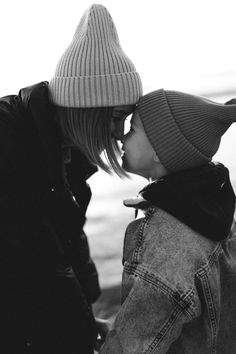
(185, 45)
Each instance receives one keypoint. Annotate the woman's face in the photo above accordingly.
(120, 113)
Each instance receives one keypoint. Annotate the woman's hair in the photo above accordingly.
(89, 129)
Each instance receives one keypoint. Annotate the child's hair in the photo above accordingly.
(89, 129)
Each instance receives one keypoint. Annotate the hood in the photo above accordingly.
(202, 198)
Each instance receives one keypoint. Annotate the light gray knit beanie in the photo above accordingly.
(94, 71)
(183, 129)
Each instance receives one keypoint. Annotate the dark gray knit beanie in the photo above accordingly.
(183, 129)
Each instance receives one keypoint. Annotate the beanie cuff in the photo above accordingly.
(96, 91)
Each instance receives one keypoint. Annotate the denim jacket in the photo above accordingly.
(178, 290)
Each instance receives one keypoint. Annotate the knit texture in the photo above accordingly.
(94, 71)
(184, 130)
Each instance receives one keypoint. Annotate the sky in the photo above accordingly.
(185, 45)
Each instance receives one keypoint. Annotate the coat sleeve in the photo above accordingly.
(149, 320)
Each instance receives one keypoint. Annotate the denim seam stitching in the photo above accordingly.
(202, 275)
(180, 300)
(167, 326)
(140, 237)
(211, 312)
(206, 267)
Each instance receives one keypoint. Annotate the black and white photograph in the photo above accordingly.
(118, 177)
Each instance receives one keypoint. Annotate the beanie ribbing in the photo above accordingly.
(94, 71)
(184, 130)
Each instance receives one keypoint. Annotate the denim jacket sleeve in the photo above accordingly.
(151, 317)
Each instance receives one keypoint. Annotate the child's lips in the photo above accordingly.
(122, 150)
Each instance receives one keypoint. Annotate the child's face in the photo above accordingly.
(139, 156)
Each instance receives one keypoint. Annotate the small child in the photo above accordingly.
(179, 277)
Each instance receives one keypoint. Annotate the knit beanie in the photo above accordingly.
(184, 130)
(94, 71)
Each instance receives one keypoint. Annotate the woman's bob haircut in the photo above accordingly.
(89, 129)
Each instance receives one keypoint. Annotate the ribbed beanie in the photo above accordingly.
(94, 71)
(183, 129)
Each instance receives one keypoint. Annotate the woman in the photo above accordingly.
(49, 135)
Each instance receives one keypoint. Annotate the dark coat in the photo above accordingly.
(42, 201)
